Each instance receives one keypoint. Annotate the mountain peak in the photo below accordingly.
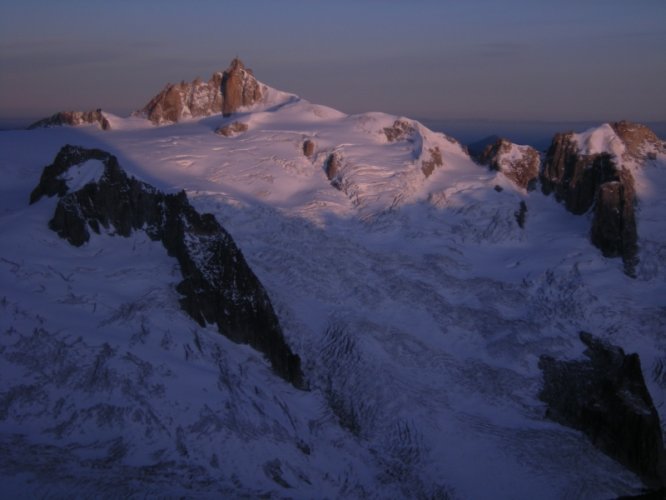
(225, 92)
(236, 64)
(239, 88)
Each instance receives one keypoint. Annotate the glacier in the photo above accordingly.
(417, 304)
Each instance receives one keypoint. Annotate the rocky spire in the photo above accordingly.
(239, 87)
(224, 92)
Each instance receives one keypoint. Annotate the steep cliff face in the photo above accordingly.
(74, 118)
(614, 222)
(606, 397)
(224, 92)
(218, 287)
(519, 163)
(573, 176)
(239, 88)
(587, 171)
(185, 100)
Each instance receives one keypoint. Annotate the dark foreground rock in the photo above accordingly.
(218, 287)
(606, 398)
(74, 118)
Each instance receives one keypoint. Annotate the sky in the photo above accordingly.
(508, 60)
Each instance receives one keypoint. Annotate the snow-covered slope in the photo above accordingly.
(418, 305)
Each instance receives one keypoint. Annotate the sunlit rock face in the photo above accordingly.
(225, 92)
(239, 88)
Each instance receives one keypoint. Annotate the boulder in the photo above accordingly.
(308, 148)
(217, 287)
(606, 398)
(232, 129)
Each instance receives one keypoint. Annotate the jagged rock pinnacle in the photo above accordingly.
(224, 92)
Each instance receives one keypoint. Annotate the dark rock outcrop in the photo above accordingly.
(401, 130)
(519, 163)
(232, 129)
(521, 214)
(573, 177)
(332, 168)
(218, 287)
(74, 118)
(606, 398)
(614, 223)
(434, 160)
(308, 148)
(597, 180)
(224, 93)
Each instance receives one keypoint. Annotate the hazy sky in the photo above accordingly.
(496, 60)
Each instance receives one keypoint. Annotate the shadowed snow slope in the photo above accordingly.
(418, 305)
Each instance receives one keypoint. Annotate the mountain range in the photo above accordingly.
(234, 292)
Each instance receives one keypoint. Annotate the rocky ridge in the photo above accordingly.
(218, 287)
(224, 93)
(640, 142)
(74, 118)
(519, 163)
